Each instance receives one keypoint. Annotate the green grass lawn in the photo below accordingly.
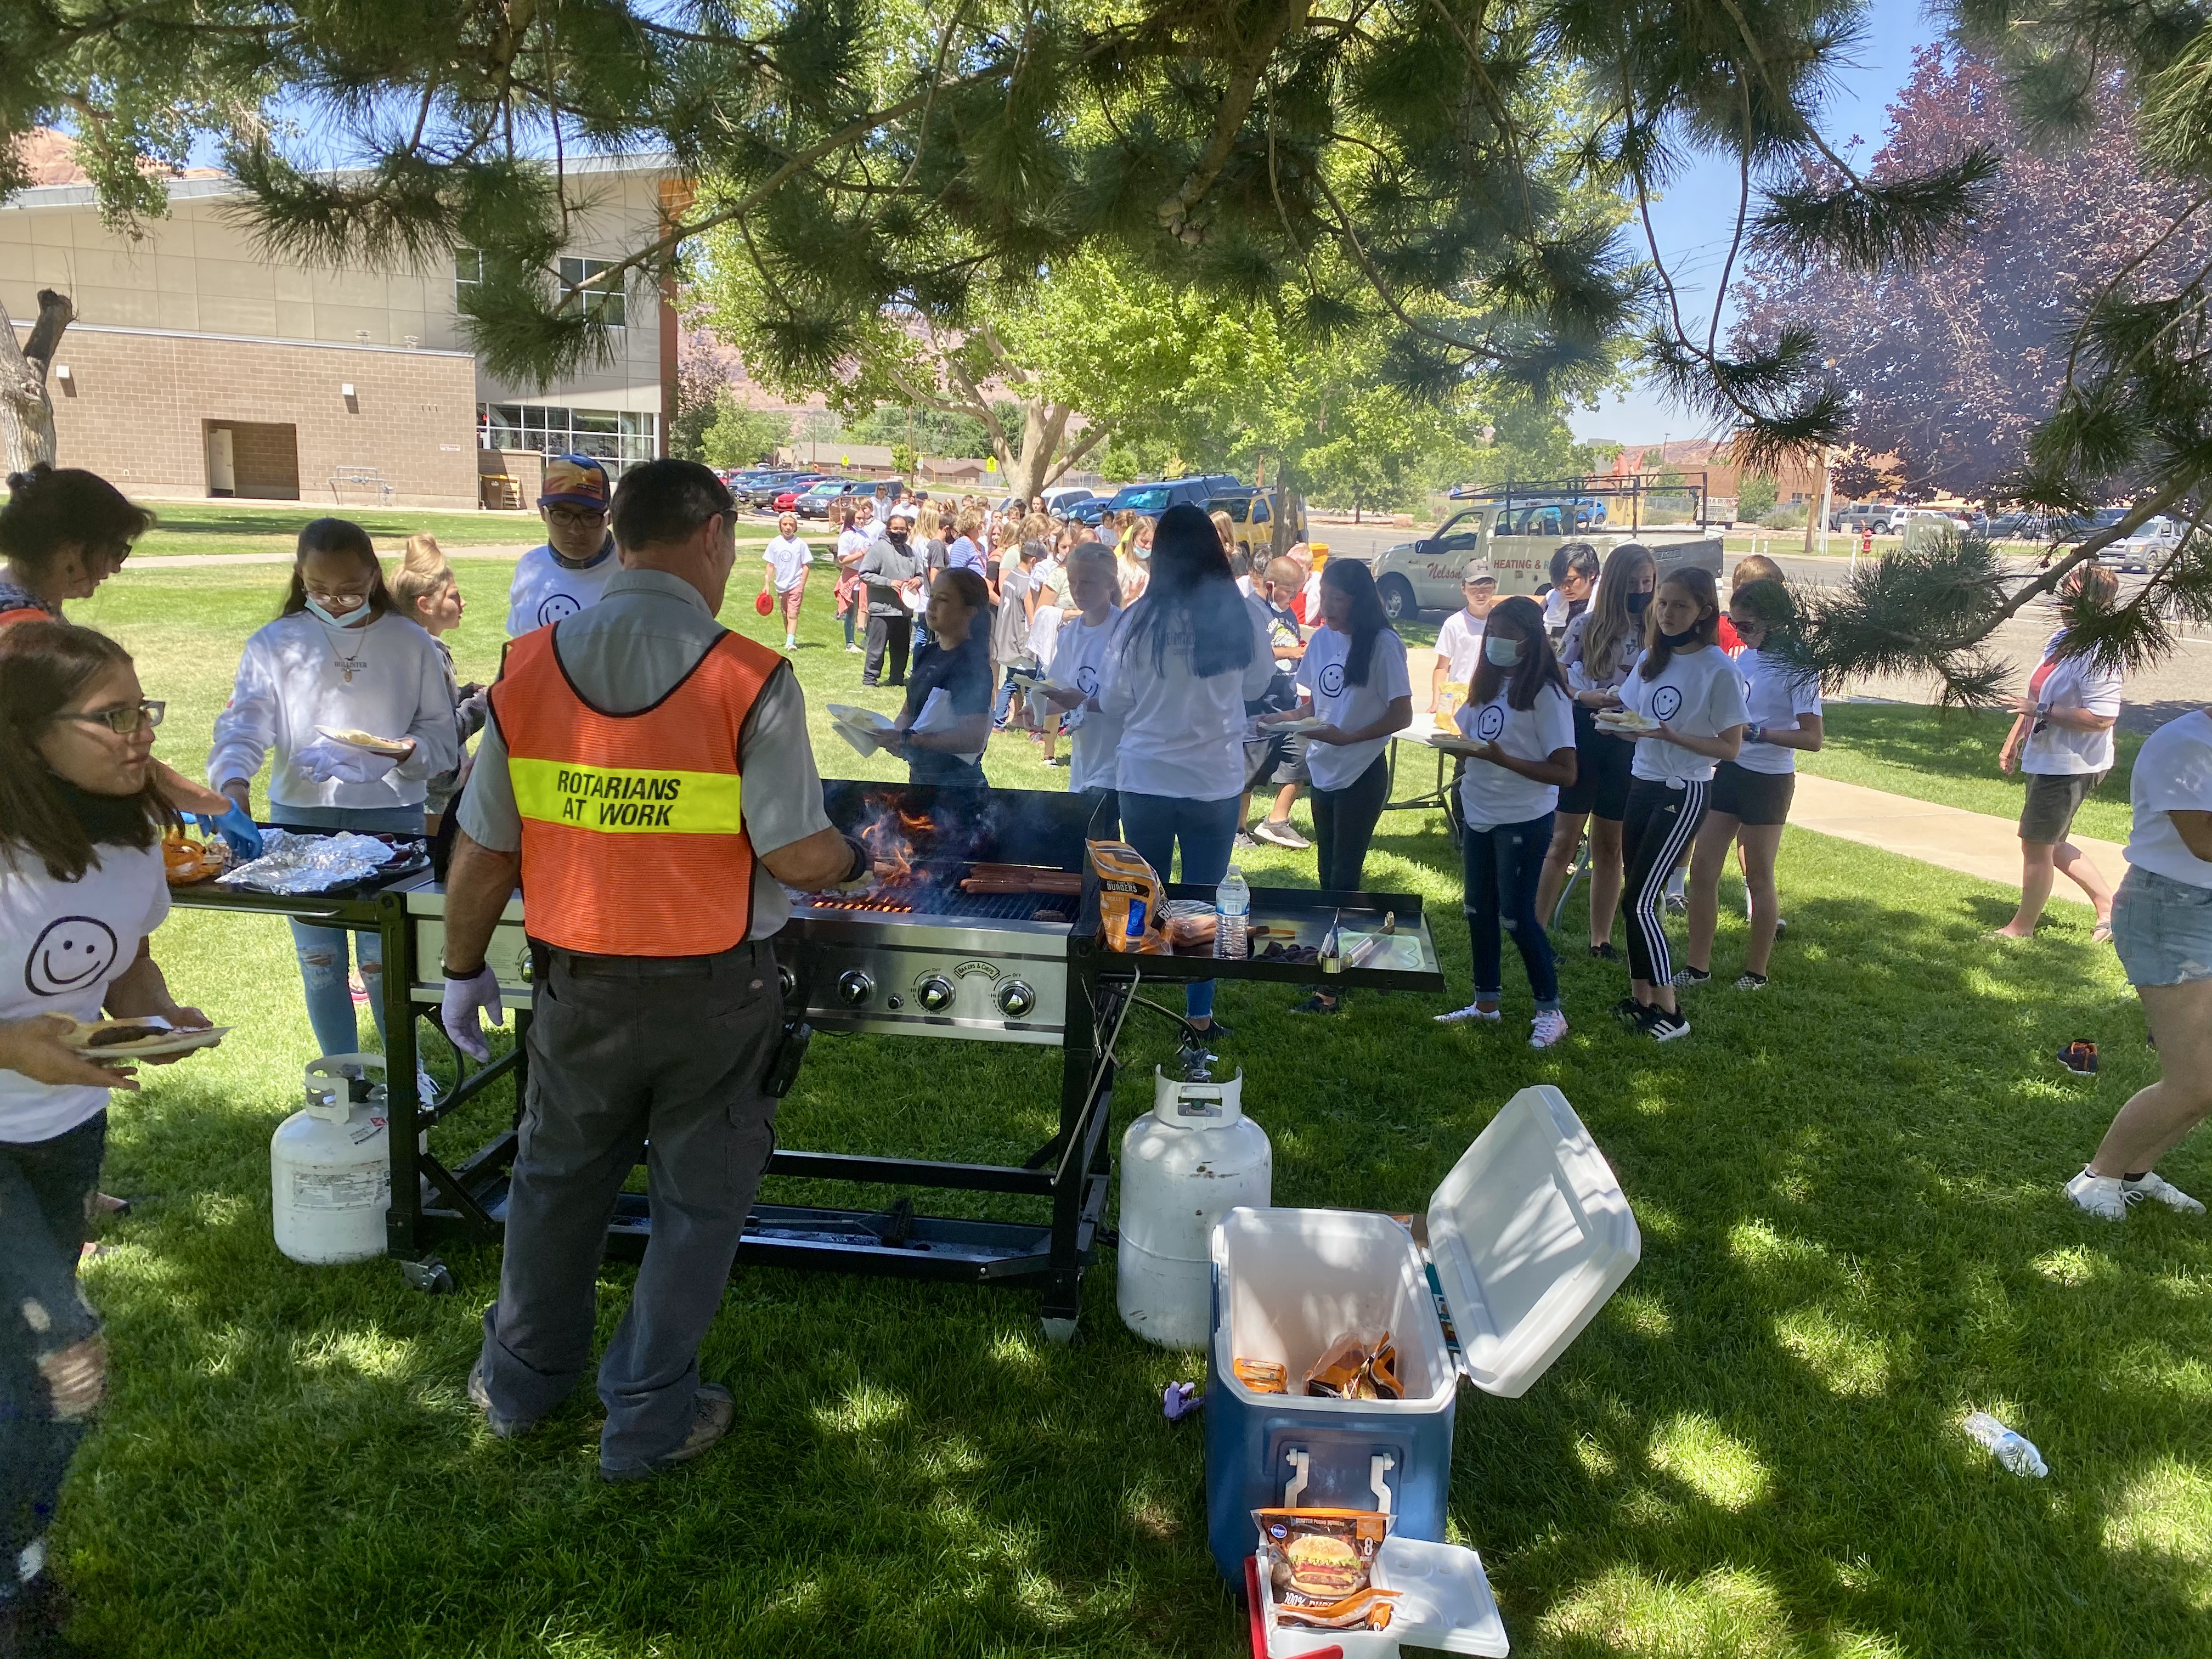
(1951, 757)
(233, 526)
(1848, 1189)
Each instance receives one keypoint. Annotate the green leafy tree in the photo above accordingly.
(1755, 496)
(742, 437)
(1388, 163)
(930, 431)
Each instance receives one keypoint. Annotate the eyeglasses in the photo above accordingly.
(345, 596)
(576, 518)
(123, 719)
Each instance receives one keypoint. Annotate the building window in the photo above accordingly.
(600, 305)
(468, 276)
(617, 438)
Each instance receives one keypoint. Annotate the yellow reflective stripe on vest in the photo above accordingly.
(626, 801)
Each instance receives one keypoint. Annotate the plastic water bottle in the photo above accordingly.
(2010, 1449)
(1232, 914)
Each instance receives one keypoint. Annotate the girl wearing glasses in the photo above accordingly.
(82, 887)
(338, 657)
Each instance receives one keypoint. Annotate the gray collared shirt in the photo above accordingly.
(627, 652)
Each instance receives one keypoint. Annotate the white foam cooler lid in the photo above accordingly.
(1529, 1234)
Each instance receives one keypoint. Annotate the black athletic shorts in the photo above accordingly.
(2053, 799)
(1749, 796)
(1602, 764)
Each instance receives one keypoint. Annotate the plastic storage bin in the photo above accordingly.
(1527, 1236)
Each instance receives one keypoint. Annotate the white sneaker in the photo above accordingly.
(1280, 833)
(854, 649)
(2155, 1186)
(1546, 1029)
(1472, 1012)
(2100, 1196)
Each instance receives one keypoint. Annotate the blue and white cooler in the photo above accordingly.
(1527, 1237)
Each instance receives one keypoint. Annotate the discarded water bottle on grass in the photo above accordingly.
(2008, 1447)
(1232, 912)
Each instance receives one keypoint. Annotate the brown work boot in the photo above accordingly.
(712, 1413)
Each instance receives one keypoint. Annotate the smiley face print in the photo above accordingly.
(1332, 680)
(72, 955)
(1490, 722)
(557, 607)
(1086, 680)
(1666, 703)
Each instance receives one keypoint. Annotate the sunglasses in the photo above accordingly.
(125, 719)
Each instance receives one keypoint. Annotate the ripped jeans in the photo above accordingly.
(51, 1382)
(1502, 865)
(323, 966)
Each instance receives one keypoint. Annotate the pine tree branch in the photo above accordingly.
(2090, 546)
(1175, 213)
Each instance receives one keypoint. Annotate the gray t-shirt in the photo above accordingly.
(625, 653)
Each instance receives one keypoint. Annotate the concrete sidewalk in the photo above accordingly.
(1973, 843)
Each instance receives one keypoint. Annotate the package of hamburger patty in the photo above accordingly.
(1317, 1563)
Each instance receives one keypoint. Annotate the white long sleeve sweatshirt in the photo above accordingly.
(291, 679)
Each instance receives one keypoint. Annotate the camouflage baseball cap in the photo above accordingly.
(577, 480)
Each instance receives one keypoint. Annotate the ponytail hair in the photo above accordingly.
(49, 509)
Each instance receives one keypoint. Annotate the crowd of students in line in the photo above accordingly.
(1180, 678)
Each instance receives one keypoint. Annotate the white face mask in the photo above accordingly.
(1501, 651)
(353, 618)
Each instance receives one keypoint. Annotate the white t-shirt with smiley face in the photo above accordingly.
(62, 944)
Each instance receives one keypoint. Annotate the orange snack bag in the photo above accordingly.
(1129, 896)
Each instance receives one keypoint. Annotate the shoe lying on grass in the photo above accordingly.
(2107, 1197)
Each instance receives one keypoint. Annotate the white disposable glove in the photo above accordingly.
(456, 1010)
(326, 762)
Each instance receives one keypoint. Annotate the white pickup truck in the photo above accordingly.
(1425, 575)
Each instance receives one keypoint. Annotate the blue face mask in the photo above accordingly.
(1639, 604)
(1504, 652)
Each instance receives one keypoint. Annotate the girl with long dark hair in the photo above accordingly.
(339, 656)
(1517, 710)
(1685, 692)
(1355, 680)
(1602, 647)
(81, 887)
(1191, 653)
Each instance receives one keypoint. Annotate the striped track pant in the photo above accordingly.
(1655, 836)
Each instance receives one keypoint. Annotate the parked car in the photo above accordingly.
(1064, 497)
(1091, 512)
(1253, 516)
(1425, 575)
(1155, 498)
(819, 500)
(1881, 518)
(2149, 544)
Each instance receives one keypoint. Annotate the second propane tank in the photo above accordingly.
(1192, 1157)
(330, 1166)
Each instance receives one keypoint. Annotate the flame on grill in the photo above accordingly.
(889, 836)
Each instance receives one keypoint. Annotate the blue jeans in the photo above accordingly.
(1502, 865)
(322, 951)
(1206, 830)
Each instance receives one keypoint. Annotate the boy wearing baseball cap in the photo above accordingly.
(573, 568)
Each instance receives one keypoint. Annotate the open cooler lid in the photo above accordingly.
(1528, 1236)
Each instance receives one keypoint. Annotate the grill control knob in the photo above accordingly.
(786, 981)
(934, 993)
(1016, 999)
(854, 987)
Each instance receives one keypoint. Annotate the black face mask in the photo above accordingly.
(1676, 642)
(1639, 604)
(896, 538)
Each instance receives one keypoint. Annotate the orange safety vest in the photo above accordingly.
(633, 838)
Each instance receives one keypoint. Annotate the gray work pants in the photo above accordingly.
(627, 1059)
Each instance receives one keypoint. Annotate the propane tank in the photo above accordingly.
(1192, 1157)
(330, 1166)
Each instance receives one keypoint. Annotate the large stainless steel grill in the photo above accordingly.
(917, 955)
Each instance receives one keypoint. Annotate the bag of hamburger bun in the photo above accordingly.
(1317, 1563)
(1129, 896)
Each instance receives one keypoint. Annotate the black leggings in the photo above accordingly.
(1661, 821)
(1343, 826)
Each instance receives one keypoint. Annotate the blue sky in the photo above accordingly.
(1693, 222)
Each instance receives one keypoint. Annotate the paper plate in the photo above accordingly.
(1616, 720)
(1452, 744)
(866, 719)
(1310, 723)
(862, 741)
(369, 740)
(161, 1038)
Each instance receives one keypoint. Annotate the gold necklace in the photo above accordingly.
(349, 665)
